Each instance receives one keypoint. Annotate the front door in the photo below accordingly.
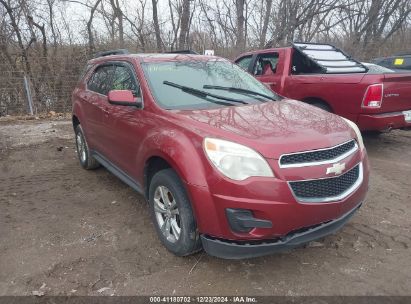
(95, 102)
(265, 70)
(124, 124)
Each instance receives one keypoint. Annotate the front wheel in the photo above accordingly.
(172, 214)
(86, 160)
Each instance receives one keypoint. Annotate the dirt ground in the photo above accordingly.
(64, 231)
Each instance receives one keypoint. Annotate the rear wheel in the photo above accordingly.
(321, 105)
(86, 160)
(172, 214)
(373, 133)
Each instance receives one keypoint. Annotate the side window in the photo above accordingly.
(266, 64)
(402, 63)
(303, 65)
(244, 62)
(100, 81)
(124, 79)
(407, 63)
(388, 62)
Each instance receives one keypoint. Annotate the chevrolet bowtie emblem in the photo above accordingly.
(337, 169)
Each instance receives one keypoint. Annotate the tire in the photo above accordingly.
(372, 133)
(321, 105)
(86, 160)
(174, 220)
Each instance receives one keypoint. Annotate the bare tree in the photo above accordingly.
(118, 15)
(371, 23)
(267, 15)
(184, 21)
(91, 44)
(240, 37)
(41, 39)
(159, 41)
(17, 32)
(292, 15)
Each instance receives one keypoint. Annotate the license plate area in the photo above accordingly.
(407, 116)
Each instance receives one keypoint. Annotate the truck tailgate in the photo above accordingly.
(397, 92)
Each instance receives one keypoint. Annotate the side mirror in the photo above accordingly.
(123, 98)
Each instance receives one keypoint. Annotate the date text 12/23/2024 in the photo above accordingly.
(204, 299)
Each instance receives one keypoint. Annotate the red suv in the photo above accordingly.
(225, 164)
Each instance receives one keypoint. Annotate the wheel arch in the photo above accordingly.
(160, 161)
(153, 165)
(185, 158)
(75, 121)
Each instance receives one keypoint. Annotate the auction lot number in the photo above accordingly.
(202, 299)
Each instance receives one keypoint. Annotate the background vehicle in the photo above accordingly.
(224, 162)
(400, 62)
(324, 76)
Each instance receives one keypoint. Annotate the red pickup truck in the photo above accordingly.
(324, 76)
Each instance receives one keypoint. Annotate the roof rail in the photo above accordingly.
(109, 53)
(402, 54)
(183, 52)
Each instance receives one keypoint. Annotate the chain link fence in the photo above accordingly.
(39, 91)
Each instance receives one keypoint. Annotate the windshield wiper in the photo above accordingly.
(200, 93)
(238, 90)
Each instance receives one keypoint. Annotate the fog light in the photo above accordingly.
(242, 220)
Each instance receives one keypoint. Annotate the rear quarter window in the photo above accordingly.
(84, 72)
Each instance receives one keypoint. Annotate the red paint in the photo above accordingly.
(123, 96)
(344, 93)
(129, 137)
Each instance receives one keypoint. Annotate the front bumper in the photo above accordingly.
(269, 200)
(382, 122)
(240, 250)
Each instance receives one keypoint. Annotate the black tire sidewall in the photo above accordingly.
(188, 241)
(322, 106)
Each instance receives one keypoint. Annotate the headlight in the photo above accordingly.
(357, 132)
(236, 161)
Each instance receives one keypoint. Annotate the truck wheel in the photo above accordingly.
(172, 214)
(83, 152)
(322, 106)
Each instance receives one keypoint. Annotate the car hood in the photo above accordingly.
(271, 128)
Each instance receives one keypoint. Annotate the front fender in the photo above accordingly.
(184, 153)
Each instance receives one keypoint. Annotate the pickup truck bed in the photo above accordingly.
(373, 101)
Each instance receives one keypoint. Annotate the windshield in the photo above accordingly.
(202, 75)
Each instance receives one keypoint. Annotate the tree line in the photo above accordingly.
(50, 40)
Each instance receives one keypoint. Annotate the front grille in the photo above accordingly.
(317, 155)
(327, 188)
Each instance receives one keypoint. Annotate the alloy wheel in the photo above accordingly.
(81, 147)
(167, 214)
